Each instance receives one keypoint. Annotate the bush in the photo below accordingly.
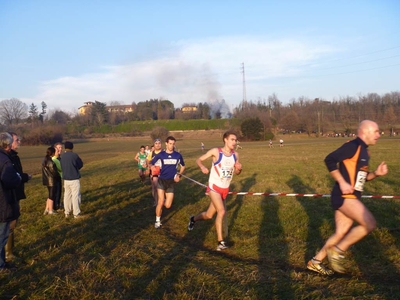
(252, 128)
(269, 135)
(44, 135)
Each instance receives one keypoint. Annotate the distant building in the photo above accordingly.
(83, 109)
(120, 108)
(115, 108)
(188, 109)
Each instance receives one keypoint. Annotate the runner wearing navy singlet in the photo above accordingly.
(348, 165)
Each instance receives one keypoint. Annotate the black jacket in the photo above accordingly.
(50, 175)
(10, 180)
(20, 190)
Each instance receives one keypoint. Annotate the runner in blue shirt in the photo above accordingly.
(170, 160)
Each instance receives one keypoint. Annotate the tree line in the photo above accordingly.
(261, 119)
(319, 116)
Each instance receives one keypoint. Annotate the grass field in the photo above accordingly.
(114, 252)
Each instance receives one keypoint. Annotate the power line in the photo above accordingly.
(359, 63)
(350, 72)
(244, 84)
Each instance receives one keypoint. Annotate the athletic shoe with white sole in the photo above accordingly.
(319, 268)
(221, 246)
(191, 223)
(157, 225)
(336, 259)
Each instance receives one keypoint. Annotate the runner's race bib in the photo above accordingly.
(226, 173)
(143, 162)
(360, 181)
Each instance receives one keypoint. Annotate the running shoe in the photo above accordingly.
(319, 268)
(336, 259)
(221, 246)
(191, 223)
(157, 225)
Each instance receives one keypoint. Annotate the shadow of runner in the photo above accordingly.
(371, 263)
(236, 203)
(180, 253)
(315, 209)
(274, 267)
(373, 254)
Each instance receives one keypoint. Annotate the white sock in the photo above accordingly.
(158, 219)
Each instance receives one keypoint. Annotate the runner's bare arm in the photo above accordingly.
(238, 165)
(381, 170)
(210, 153)
(345, 187)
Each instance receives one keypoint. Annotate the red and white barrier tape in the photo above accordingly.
(289, 194)
(304, 195)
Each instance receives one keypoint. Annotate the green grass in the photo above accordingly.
(115, 252)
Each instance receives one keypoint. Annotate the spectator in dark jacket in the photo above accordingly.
(20, 192)
(9, 208)
(71, 163)
(50, 178)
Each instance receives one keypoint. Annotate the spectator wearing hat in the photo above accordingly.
(71, 163)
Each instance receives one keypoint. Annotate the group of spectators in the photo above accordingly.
(55, 168)
(12, 188)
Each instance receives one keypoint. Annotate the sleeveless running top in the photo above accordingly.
(222, 170)
(142, 160)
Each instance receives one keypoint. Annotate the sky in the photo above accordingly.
(66, 53)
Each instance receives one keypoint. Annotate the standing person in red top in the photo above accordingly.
(225, 163)
(348, 165)
(155, 169)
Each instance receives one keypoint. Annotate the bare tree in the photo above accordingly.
(390, 119)
(12, 111)
(115, 103)
(290, 121)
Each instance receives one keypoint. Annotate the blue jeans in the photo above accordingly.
(4, 233)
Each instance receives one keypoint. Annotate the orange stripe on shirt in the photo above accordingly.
(351, 167)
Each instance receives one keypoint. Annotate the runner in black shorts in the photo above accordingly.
(348, 165)
(169, 160)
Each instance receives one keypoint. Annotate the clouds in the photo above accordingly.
(192, 71)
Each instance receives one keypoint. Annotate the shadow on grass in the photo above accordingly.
(315, 208)
(54, 255)
(184, 255)
(274, 266)
(369, 253)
